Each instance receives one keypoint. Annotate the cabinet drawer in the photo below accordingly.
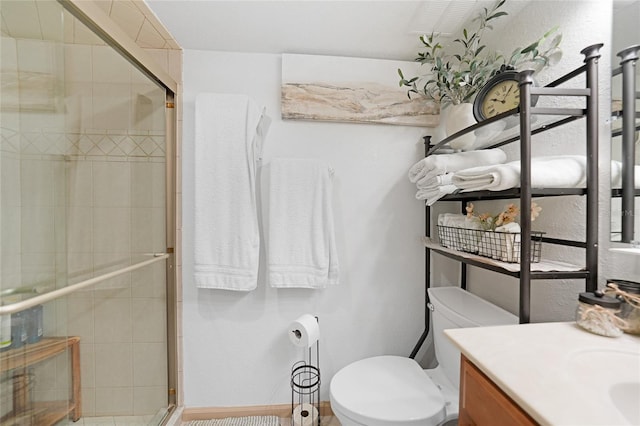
(482, 403)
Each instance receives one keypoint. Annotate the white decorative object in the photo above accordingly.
(459, 117)
(440, 132)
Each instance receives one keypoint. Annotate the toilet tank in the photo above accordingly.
(454, 307)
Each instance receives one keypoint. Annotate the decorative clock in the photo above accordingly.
(500, 94)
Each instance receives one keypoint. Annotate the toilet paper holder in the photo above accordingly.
(305, 389)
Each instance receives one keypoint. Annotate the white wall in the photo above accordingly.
(236, 350)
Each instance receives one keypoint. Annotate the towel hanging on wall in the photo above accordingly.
(301, 245)
(229, 130)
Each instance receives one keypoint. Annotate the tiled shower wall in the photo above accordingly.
(93, 165)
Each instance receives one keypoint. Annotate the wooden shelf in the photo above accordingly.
(41, 413)
(33, 353)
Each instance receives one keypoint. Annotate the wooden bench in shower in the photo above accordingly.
(41, 412)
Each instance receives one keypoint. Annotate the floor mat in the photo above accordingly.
(238, 421)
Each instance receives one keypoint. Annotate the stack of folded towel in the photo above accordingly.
(560, 171)
(433, 175)
(438, 175)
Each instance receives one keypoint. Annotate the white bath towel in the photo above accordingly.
(432, 195)
(495, 178)
(434, 165)
(561, 171)
(228, 143)
(616, 175)
(433, 181)
(301, 245)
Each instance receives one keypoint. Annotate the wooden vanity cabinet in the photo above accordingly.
(483, 403)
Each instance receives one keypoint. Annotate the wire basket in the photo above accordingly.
(503, 246)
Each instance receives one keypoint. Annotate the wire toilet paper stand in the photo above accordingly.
(305, 389)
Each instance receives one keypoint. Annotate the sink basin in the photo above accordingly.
(612, 374)
(625, 397)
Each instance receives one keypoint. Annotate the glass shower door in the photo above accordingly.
(35, 379)
(83, 168)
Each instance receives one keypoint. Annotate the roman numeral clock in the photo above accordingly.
(500, 94)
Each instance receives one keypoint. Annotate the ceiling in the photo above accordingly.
(357, 28)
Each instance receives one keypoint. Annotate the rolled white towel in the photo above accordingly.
(512, 227)
(456, 220)
(439, 164)
(451, 219)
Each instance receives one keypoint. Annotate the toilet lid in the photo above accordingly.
(387, 390)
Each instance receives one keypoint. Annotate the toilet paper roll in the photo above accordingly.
(305, 415)
(304, 331)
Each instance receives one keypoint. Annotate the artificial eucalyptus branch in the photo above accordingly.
(456, 78)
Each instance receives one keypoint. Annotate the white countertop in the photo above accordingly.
(558, 373)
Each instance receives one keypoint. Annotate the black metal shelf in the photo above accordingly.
(629, 116)
(478, 262)
(512, 193)
(556, 117)
(617, 192)
(520, 124)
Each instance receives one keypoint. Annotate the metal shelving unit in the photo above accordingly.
(630, 125)
(545, 120)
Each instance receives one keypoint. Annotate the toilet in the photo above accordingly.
(395, 391)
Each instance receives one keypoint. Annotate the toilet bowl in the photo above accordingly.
(386, 390)
(396, 391)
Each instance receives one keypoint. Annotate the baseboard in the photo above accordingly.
(280, 410)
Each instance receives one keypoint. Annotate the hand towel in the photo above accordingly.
(434, 165)
(561, 171)
(228, 143)
(301, 246)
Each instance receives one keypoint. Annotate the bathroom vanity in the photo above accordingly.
(549, 373)
(483, 403)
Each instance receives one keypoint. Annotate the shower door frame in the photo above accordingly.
(94, 18)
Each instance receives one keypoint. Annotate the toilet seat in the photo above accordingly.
(387, 390)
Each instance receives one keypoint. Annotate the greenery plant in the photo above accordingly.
(454, 78)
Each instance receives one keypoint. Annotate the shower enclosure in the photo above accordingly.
(86, 226)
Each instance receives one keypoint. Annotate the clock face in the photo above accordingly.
(504, 96)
